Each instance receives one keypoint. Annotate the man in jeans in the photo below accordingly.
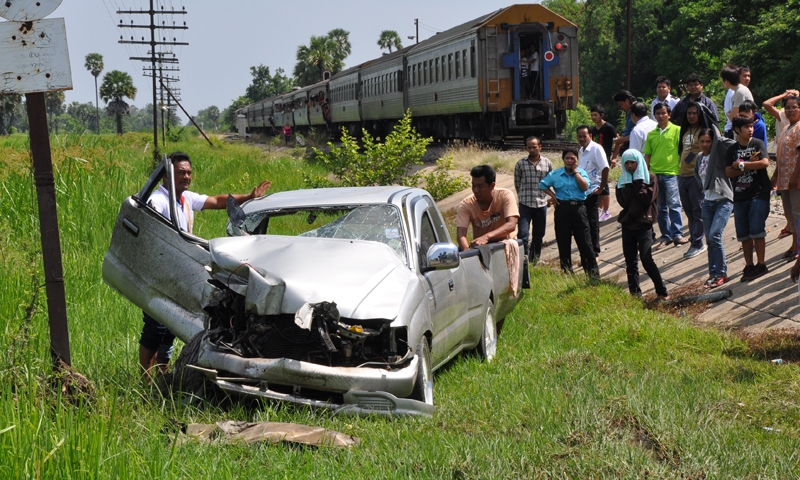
(661, 154)
(528, 173)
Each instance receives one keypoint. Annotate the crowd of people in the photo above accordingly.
(675, 161)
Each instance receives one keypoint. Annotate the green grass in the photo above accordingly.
(586, 384)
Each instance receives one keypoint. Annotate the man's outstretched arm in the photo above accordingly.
(219, 202)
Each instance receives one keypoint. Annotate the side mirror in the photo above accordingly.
(442, 256)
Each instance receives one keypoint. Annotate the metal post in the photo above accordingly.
(156, 151)
(416, 26)
(48, 224)
(628, 42)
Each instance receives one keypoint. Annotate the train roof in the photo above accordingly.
(518, 11)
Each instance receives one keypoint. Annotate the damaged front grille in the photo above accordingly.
(315, 334)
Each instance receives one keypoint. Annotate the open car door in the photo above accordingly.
(156, 266)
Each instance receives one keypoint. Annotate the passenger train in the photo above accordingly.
(464, 83)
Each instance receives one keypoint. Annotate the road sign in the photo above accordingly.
(27, 10)
(34, 56)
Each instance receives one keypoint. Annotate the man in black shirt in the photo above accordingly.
(695, 86)
(747, 164)
(604, 134)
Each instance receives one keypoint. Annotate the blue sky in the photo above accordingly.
(227, 37)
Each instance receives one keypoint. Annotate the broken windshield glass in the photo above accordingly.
(376, 223)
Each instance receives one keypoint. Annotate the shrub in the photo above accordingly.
(384, 163)
(579, 116)
(441, 183)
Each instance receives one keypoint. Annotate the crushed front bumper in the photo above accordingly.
(355, 402)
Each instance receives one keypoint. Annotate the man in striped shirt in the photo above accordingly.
(528, 173)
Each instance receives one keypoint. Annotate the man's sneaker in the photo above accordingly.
(759, 270)
(717, 281)
(680, 241)
(694, 251)
(604, 215)
(747, 274)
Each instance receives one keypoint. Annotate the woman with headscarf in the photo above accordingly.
(637, 192)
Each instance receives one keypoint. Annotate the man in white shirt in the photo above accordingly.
(644, 125)
(663, 95)
(744, 79)
(593, 159)
(731, 80)
(155, 344)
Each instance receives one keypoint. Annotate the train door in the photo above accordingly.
(531, 54)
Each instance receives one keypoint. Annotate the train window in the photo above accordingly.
(472, 60)
(424, 73)
(430, 69)
(399, 81)
(418, 82)
(450, 66)
(437, 69)
(464, 61)
(458, 65)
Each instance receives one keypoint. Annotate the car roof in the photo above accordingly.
(322, 197)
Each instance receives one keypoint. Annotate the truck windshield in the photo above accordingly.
(373, 223)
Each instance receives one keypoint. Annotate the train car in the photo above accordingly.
(282, 111)
(383, 87)
(319, 114)
(344, 90)
(300, 107)
(466, 82)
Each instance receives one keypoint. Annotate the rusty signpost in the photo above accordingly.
(33, 60)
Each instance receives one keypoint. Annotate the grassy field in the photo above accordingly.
(586, 384)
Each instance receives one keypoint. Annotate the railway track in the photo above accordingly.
(518, 143)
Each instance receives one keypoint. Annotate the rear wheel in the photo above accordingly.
(488, 346)
(423, 387)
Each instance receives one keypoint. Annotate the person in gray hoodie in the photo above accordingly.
(709, 171)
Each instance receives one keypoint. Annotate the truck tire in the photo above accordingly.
(488, 344)
(423, 387)
(189, 380)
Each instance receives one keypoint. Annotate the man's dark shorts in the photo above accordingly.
(605, 192)
(154, 335)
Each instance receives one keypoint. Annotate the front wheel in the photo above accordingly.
(488, 346)
(423, 387)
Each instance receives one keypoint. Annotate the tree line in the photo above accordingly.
(676, 38)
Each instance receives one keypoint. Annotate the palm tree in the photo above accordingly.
(343, 47)
(313, 59)
(54, 104)
(8, 103)
(389, 39)
(94, 64)
(116, 86)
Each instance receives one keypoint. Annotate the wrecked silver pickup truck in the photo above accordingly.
(342, 298)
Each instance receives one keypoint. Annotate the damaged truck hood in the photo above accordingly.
(278, 274)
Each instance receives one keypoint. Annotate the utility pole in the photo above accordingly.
(416, 26)
(155, 56)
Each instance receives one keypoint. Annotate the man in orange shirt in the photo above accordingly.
(491, 211)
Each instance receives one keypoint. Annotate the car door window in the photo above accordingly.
(427, 237)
